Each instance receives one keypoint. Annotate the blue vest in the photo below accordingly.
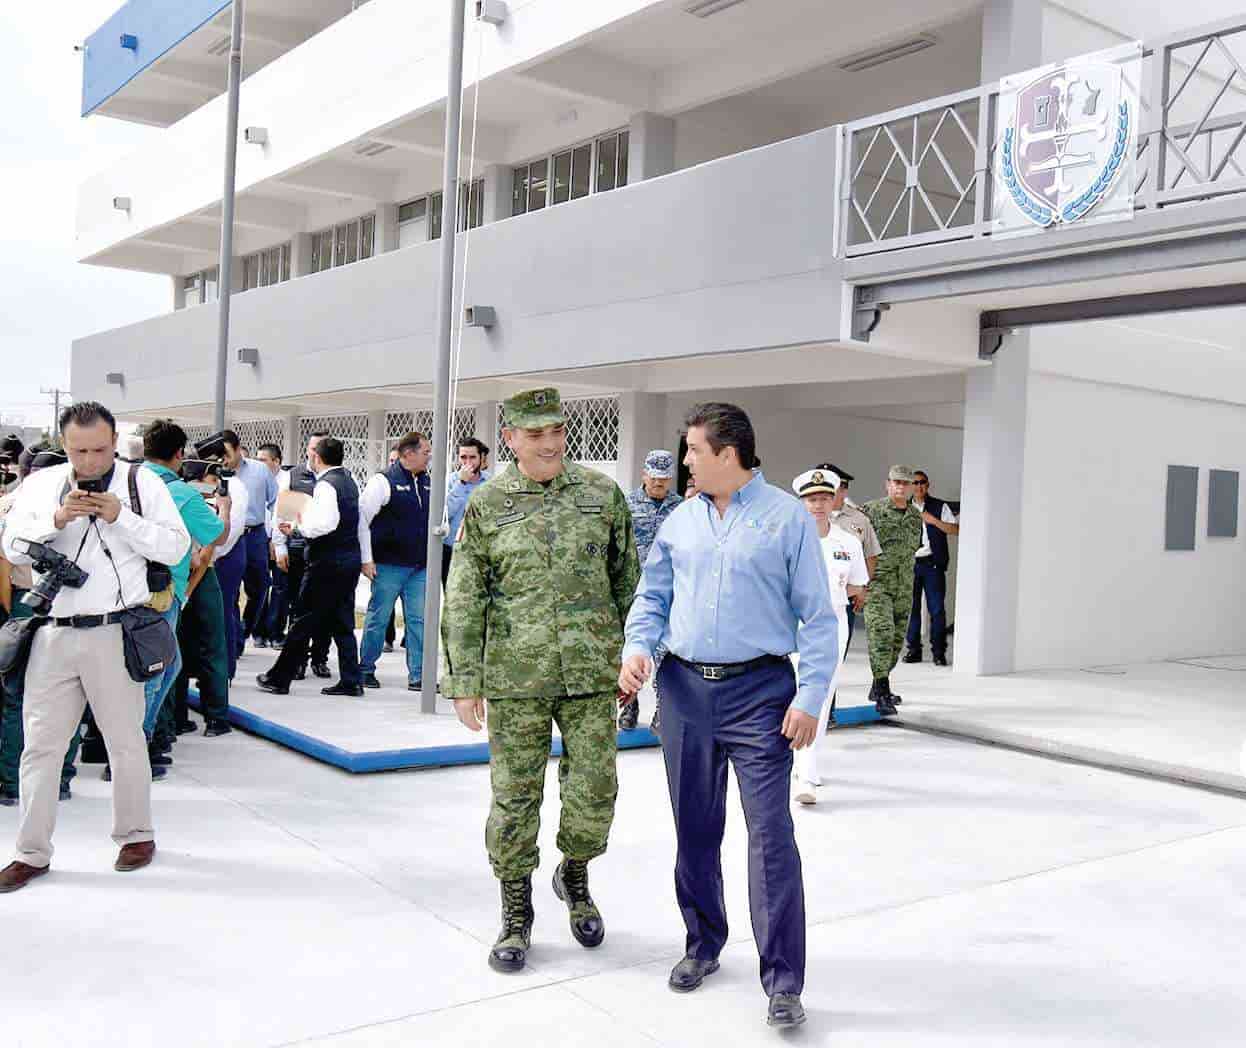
(341, 545)
(938, 540)
(400, 530)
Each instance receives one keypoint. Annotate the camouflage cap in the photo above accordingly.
(660, 464)
(902, 473)
(534, 409)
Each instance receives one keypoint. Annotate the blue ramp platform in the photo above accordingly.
(384, 730)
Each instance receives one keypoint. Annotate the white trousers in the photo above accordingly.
(806, 760)
(69, 668)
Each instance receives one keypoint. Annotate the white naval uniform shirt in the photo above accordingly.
(947, 516)
(117, 581)
(845, 564)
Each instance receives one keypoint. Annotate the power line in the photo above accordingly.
(56, 395)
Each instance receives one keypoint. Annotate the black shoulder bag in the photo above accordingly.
(148, 639)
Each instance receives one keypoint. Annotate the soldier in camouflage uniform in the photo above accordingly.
(650, 504)
(899, 528)
(543, 575)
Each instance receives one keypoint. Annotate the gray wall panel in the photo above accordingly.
(1222, 493)
(1181, 512)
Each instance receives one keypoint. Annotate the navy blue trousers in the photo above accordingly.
(705, 725)
(256, 583)
(931, 580)
(229, 572)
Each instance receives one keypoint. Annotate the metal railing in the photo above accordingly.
(924, 174)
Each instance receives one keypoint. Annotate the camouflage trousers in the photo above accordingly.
(887, 619)
(520, 732)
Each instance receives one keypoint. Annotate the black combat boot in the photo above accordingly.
(510, 952)
(629, 714)
(571, 886)
(895, 699)
(881, 699)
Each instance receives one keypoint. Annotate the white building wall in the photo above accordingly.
(1095, 584)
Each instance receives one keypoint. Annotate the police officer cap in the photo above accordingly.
(660, 464)
(902, 473)
(843, 474)
(816, 481)
(534, 409)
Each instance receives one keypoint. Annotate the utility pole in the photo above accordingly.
(225, 270)
(441, 375)
(56, 395)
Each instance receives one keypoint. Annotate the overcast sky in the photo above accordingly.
(46, 149)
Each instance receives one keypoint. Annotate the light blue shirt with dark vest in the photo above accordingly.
(400, 529)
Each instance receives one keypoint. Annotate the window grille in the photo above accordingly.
(360, 457)
(254, 432)
(194, 434)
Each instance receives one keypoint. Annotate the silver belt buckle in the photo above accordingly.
(712, 673)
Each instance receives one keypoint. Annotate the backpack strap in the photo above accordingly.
(136, 504)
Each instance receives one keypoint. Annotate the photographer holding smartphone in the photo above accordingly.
(82, 512)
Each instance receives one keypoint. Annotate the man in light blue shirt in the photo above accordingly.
(261, 485)
(459, 487)
(734, 584)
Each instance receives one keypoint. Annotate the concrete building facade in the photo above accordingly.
(785, 204)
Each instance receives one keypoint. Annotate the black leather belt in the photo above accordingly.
(89, 622)
(725, 671)
(252, 527)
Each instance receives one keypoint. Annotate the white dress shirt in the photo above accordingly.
(115, 582)
(239, 504)
(280, 542)
(947, 516)
(322, 515)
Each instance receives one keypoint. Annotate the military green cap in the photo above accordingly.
(534, 409)
(904, 473)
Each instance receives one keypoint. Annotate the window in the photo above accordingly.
(591, 167)
(420, 220)
(199, 288)
(343, 244)
(265, 268)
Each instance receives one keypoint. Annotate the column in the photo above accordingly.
(378, 443)
(991, 499)
(487, 429)
(179, 292)
(499, 183)
(293, 449)
(1012, 37)
(386, 228)
(300, 255)
(651, 146)
(641, 420)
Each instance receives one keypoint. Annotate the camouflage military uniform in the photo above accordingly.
(539, 589)
(891, 589)
(647, 517)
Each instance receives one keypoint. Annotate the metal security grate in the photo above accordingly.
(592, 433)
(194, 434)
(400, 423)
(255, 432)
(464, 425)
(361, 455)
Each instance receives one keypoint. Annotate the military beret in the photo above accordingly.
(534, 409)
(902, 473)
(816, 481)
(660, 464)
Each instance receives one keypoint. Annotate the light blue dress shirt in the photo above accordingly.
(261, 485)
(457, 494)
(729, 589)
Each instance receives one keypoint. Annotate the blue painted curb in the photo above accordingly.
(436, 756)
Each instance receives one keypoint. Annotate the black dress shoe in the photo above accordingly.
(415, 685)
(300, 673)
(321, 670)
(912, 655)
(271, 686)
(187, 727)
(353, 690)
(159, 760)
(940, 660)
(8, 800)
(785, 1010)
(388, 649)
(217, 727)
(370, 681)
(689, 973)
(260, 642)
(66, 793)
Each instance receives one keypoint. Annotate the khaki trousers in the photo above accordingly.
(69, 668)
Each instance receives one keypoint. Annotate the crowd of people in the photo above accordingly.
(564, 598)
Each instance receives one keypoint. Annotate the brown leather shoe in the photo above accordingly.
(135, 856)
(17, 875)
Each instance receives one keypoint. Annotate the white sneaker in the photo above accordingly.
(807, 793)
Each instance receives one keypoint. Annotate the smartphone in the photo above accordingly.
(92, 487)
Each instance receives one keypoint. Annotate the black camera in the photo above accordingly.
(55, 570)
(213, 450)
